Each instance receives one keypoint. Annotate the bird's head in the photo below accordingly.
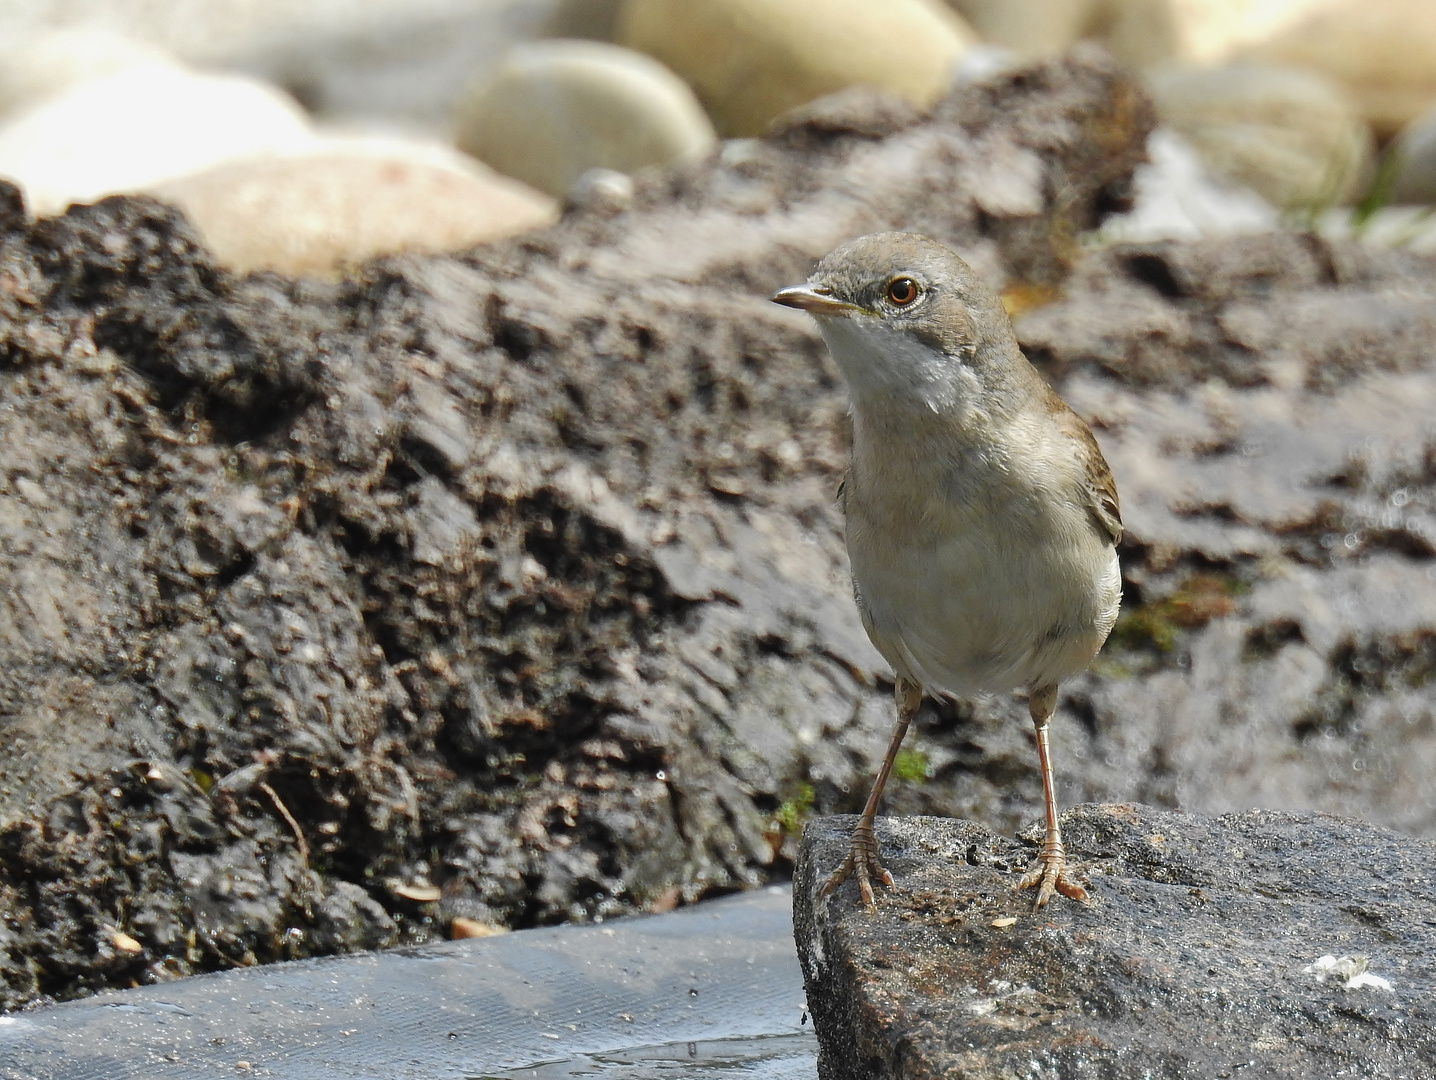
(904, 316)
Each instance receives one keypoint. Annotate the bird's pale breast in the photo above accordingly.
(977, 574)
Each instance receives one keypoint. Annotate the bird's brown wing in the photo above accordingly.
(1101, 489)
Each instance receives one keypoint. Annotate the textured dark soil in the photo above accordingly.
(510, 586)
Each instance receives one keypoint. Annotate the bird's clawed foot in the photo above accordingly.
(1049, 874)
(863, 863)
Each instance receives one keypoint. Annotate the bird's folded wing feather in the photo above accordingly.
(1101, 488)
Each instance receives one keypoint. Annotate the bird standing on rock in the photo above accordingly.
(982, 520)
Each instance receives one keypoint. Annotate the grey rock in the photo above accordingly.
(1259, 944)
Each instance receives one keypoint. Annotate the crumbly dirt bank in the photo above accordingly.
(505, 586)
(509, 586)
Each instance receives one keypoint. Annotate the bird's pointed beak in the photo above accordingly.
(815, 299)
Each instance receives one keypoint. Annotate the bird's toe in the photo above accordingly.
(863, 864)
(1050, 876)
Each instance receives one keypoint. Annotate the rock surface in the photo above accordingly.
(555, 109)
(1211, 947)
(1294, 137)
(751, 60)
(511, 579)
(345, 201)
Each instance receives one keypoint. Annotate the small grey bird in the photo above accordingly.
(982, 520)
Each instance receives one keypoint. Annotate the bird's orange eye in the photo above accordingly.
(902, 291)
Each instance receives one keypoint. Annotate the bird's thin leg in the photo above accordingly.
(862, 861)
(1049, 872)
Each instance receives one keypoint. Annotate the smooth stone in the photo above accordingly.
(349, 200)
(39, 64)
(1139, 32)
(135, 128)
(555, 109)
(601, 191)
(1294, 137)
(1415, 148)
(752, 60)
(1382, 51)
(1263, 944)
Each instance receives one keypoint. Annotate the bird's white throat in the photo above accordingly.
(888, 366)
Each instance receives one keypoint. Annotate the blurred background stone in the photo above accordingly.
(1292, 136)
(136, 127)
(1415, 149)
(1383, 51)
(601, 191)
(1139, 32)
(42, 63)
(395, 63)
(555, 109)
(750, 60)
(1213, 31)
(596, 19)
(344, 201)
(403, 66)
